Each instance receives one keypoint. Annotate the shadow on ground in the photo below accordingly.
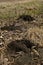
(19, 24)
(26, 18)
(20, 45)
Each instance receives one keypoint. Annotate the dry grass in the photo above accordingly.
(9, 13)
(9, 9)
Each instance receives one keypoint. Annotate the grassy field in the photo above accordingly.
(20, 20)
(13, 10)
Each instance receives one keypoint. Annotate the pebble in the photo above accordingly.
(1, 43)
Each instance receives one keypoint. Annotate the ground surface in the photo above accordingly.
(20, 20)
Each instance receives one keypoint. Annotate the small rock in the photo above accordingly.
(1, 43)
(1, 37)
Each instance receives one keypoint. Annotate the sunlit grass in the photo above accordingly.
(11, 10)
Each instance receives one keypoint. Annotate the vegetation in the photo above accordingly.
(21, 20)
(11, 10)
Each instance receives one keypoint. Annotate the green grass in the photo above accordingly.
(11, 10)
